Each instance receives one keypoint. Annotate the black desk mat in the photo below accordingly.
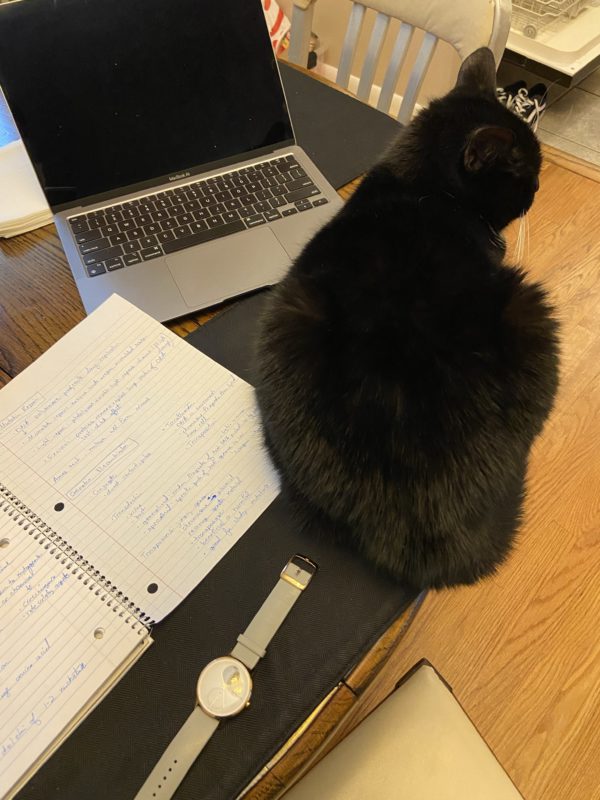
(343, 136)
(335, 622)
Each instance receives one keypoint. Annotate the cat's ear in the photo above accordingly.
(478, 73)
(487, 145)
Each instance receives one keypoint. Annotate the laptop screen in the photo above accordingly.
(117, 93)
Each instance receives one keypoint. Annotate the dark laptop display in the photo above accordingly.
(160, 134)
(156, 94)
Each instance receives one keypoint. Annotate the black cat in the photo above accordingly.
(405, 370)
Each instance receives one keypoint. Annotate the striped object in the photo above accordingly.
(278, 23)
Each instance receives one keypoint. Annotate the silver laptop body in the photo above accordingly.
(161, 137)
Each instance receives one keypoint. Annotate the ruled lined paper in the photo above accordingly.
(144, 454)
(60, 643)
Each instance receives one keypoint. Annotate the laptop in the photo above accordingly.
(160, 134)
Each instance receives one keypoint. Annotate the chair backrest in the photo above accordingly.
(464, 24)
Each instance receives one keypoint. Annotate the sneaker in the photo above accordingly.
(506, 94)
(540, 91)
(530, 105)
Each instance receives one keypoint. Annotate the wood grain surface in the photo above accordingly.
(521, 650)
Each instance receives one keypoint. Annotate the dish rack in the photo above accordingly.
(557, 39)
(532, 16)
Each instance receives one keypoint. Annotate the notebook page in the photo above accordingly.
(61, 644)
(142, 452)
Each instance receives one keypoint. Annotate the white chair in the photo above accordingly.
(464, 24)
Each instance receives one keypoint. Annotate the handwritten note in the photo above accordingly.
(60, 644)
(145, 454)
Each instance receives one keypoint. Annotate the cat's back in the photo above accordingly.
(398, 302)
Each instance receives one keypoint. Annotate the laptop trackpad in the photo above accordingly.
(217, 270)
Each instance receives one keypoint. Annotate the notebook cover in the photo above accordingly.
(345, 609)
(342, 135)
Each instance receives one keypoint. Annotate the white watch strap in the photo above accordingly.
(179, 756)
(252, 644)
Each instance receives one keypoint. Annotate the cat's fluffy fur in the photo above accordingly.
(405, 370)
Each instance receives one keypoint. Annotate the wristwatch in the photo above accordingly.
(224, 687)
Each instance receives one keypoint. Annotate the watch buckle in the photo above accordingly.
(298, 571)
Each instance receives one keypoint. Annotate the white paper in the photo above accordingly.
(23, 206)
(59, 644)
(154, 450)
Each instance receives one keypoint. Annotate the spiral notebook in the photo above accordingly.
(130, 463)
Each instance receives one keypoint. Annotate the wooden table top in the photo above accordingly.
(39, 303)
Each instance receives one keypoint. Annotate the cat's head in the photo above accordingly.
(475, 148)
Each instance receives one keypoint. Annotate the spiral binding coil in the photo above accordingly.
(74, 562)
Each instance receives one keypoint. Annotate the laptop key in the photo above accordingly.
(192, 205)
(96, 269)
(300, 183)
(320, 202)
(132, 258)
(289, 211)
(181, 230)
(165, 236)
(154, 227)
(301, 194)
(260, 207)
(149, 241)
(94, 247)
(108, 230)
(151, 252)
(214, 222)
(204, 236)
(95, 258)
(167, 224)
(272, 215)
(199, 226)
(303, 205)
(113, 263)
(136, 233)
(277, 202)
(131, 247)
(229, 216)
(254, 220)
(88, 236)
(185, 219)
(297, 172)
(118, 238)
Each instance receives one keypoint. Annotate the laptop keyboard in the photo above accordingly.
(158, 224)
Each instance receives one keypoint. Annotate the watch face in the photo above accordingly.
(224, 687)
